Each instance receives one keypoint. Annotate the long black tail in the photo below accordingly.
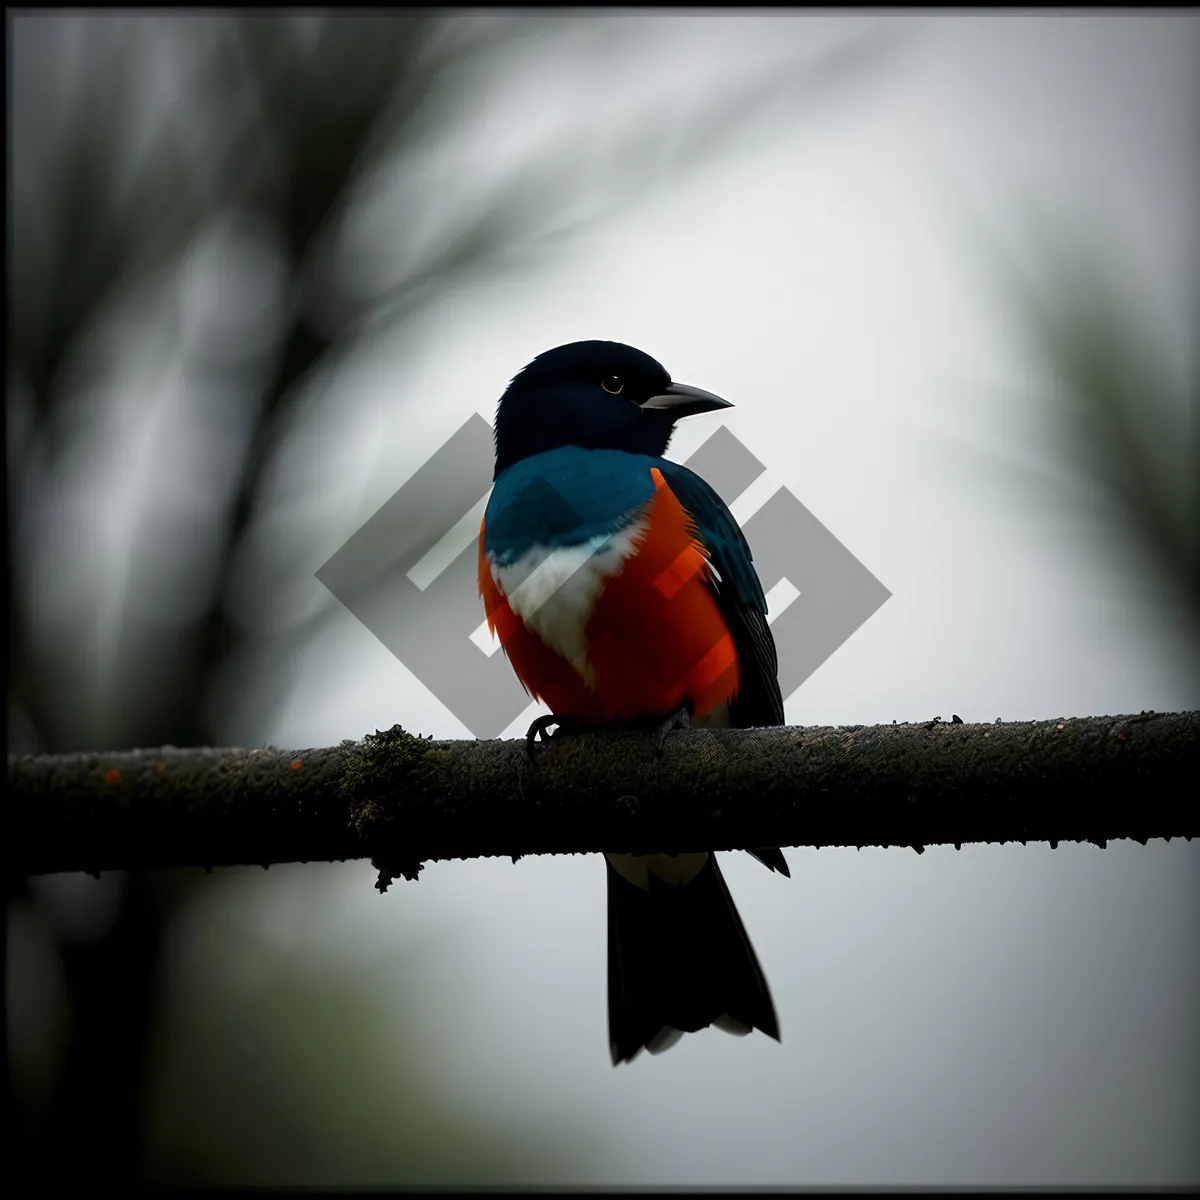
(679, 960)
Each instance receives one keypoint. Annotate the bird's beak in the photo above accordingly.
(682, 400)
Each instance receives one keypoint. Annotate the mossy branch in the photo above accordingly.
(403, 800)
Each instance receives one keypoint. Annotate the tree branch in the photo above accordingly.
(403, 800)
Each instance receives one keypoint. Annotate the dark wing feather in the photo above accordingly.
(739, 596)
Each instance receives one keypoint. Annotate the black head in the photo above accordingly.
(598, 395)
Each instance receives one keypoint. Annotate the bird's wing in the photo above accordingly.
(739, 596)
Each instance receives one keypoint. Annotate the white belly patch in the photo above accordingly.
(554, 589)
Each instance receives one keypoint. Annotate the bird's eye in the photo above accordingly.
(612, 384)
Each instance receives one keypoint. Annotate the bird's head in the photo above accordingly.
(597, 395)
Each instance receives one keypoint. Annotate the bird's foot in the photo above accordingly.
(680, 719)
(538, 737)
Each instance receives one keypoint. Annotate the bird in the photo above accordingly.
(623, 591)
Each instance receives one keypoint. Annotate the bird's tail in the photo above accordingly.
(679, 960)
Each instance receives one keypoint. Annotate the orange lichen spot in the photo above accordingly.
(296, 764)
(113, 776)
(159, 766)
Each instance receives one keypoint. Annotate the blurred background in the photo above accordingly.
(261, 267)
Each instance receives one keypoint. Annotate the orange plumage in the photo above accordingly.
(655, 638)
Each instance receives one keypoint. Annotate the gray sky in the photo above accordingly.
(999, 1015)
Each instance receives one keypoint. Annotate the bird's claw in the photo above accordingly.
(680, 719)
(538, 737)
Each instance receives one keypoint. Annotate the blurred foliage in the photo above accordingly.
(145, 431)
(245, 1001)
(1119, 395)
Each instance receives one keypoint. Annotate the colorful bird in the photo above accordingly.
(622, 590)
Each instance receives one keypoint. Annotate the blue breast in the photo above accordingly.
(564, 497)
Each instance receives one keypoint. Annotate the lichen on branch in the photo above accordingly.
(402, 800)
